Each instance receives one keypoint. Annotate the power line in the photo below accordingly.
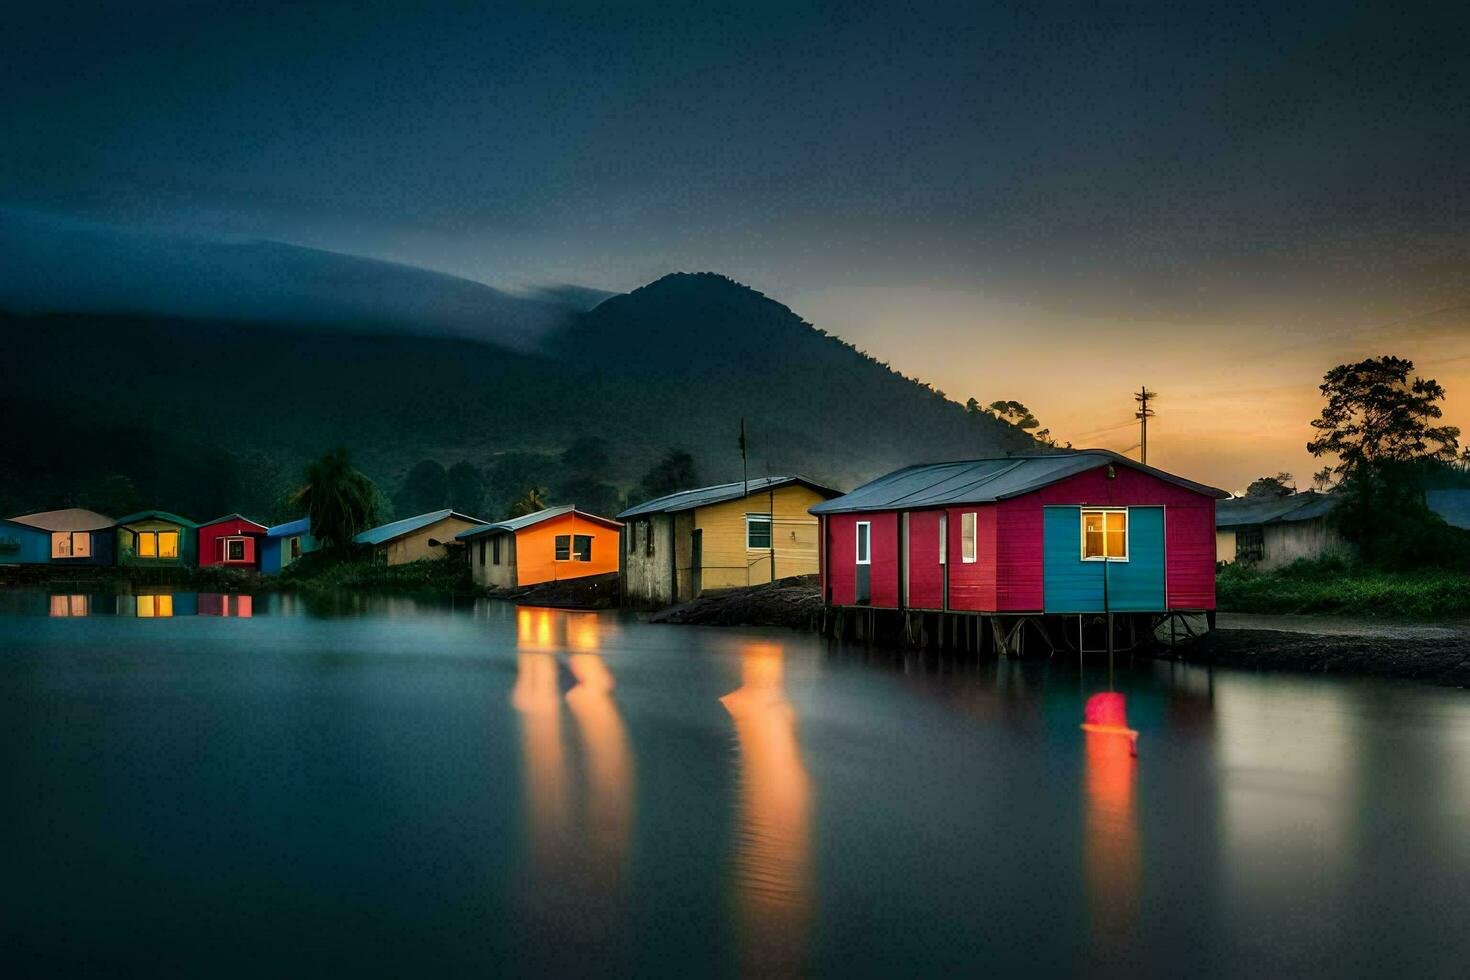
(1144, 413)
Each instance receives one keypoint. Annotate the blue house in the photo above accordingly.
(63, 537)
(285, 543)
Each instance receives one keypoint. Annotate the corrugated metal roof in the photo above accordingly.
(233, 517)
(704, 496)
(528, 520)
(1250, 511)
(978, 481)
(1452, 505)
(156, 515)
(387, 532)
(299, 526)
(69, 519)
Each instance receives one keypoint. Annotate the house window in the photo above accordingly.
(1104, 535)
(495, 550)
(864, 535)
(1250, 544)
(482, 552)
(234, 549)
(943, 538)
(71, 544)
(168, 547)
(563, 547)
(582, 547)
(967, 538)
(758, 532)
(295, 548)
(647, 537)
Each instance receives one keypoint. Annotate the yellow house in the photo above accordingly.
(736, 534)
(416, 538)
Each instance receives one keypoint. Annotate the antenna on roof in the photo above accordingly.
(1143, 396)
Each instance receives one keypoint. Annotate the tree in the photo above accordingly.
(114, 495)
(1280, 485)
(339, 499)
(590, 495)
(586, 456)
(425, 488)
(466, 487)
(1322, 479)
(1013, 413)
(527, 503)
(1376, 414)
(675, 472)
(972, 406)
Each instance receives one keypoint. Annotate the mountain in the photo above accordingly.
(61, 265)
(204, 415)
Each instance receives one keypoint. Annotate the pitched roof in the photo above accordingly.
(978, 481)
(1286, 508)
(1452, 505)
(299, 526)
(233, 517)
(704, 496)
(528, 520)
(159, 515)
(69, 519)
(397, 529)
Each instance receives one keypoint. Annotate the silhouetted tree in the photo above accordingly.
(466, 488)
(339, 499)
(1013, 413)
(527, 503)
(592, 496)
(1376, 414)
(673, 473)
(1280, 485)
(511, 475)
(1322, 479)
(425, 488)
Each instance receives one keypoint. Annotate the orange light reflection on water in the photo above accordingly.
(772, 860)
(1111, 852)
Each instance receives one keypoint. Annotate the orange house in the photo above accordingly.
(548, 546)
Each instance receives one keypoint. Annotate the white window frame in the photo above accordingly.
(1082, 533)
(943, 538)
(770, 522)
(863, 541)
(969, 544)
(225, 549)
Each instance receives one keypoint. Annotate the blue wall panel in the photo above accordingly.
(1076, 586)
(23, 545)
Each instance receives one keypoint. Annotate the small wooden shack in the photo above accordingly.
(551, 545)
(735, 534)
(64, 537)
(1273, 531)
(155, 538)
(232, 540)
(285, 543)
(417, 538)
(1037, 537)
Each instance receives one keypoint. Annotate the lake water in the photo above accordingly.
(266, 786)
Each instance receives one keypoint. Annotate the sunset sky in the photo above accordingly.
(1052, 203)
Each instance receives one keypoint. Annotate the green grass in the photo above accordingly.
(1344, 588)
(434, 576)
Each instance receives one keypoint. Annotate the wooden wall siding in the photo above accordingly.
(188, 544)
(682, 530)
(972, 585)
(883, 575)
(211, 542)
(926, 575)
(489, 574)
(1189, 535)
(1076, 586)
(648, 580)
(415, 546)
(536, 550)
(1288, 541)
(727, 563)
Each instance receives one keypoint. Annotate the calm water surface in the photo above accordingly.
(215, 785)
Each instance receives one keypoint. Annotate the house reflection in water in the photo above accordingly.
(588, 848)
(1111, 854)
(218, 604)
(153, 606)
(772, 861)
(70, 605)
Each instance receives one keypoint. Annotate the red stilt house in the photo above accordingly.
(231, 540)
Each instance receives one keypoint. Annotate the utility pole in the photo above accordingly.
(1143, 396)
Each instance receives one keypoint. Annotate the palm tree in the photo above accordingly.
(339, 499)
(528, 503)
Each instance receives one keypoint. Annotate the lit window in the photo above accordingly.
(147, 544)
(234, 549)
(864, 535)
(81, 544)
(967, 538)
(563, 547)
(60, 545)
(758, 532)
(168, 545)
(1105, 535)
(582, 547)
